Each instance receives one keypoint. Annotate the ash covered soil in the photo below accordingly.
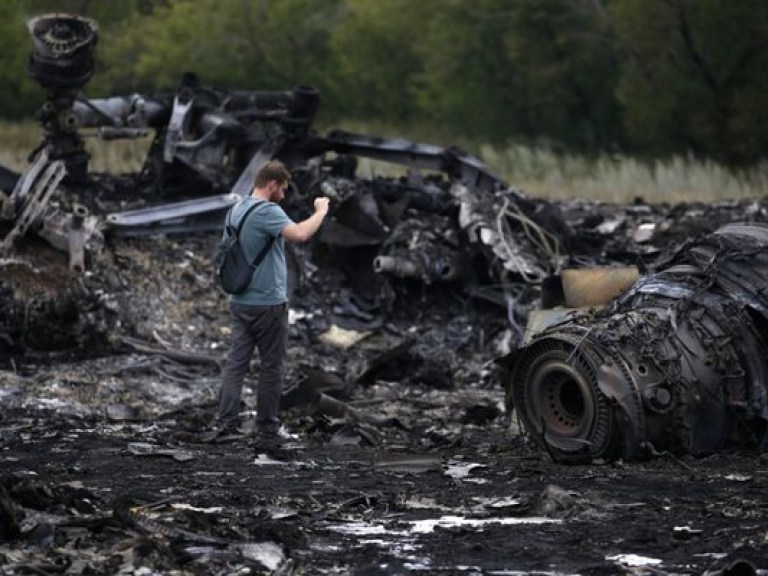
(482, 505)
(102, 470)
(479, 506)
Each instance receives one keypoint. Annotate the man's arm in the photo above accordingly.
(304, 230)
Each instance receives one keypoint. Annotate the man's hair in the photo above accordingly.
(272, 170)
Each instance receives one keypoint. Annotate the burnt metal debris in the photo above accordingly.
(675, 363)
(450, 220)
(678, 362)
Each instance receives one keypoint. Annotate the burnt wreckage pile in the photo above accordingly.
(678, 362)
(436, 226)
(674, 364)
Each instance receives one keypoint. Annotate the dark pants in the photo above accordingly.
(265, 328)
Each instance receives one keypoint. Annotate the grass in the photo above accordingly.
(542, 173)
(17, 140)
(539, 172)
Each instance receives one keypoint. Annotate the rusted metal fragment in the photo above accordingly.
(596, 286)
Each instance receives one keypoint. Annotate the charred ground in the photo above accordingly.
(86, 503)
(421, 470)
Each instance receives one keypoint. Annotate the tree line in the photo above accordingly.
(644, 77)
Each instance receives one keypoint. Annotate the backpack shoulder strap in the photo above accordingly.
(260, 256)
(245, 216)
(266, 248)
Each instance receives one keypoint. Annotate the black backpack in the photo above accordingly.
(233, 270)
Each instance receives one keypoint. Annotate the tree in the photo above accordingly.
(375, 66)
(19, 94)
(248, 44)
(106, 14)
(695, 76)
(532, 69)
(469, 84)
(568, 68)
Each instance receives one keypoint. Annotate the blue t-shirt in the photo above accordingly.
(268, 285)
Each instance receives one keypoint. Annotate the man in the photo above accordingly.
(260, 314)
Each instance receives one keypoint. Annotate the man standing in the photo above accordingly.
(260, 314)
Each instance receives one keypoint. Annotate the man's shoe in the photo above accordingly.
(274, 441)
(273, 432)
(222, 433)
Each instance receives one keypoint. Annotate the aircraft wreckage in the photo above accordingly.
(666, 351)
(678, 362)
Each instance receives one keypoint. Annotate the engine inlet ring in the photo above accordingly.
(555, 390)
(563, 395)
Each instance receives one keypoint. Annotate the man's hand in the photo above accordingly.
(304, 230)
(321, 204)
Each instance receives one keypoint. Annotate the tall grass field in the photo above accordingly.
(539, 172)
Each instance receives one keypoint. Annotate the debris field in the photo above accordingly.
(478, 381)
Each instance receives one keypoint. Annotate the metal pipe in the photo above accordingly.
(400, 267)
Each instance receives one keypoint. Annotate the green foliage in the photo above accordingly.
(469, 83)
(18, 93)
(695, 74)
(248, 44)
(567, 73)
(104, 12)
(374, 62)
